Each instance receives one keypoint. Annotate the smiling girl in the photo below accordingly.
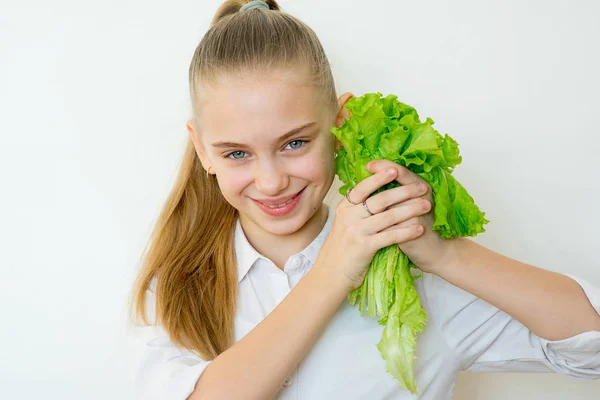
(247, 274)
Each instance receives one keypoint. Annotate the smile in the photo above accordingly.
(279, 207)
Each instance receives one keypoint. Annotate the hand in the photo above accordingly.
(429, 250)
(356, 234)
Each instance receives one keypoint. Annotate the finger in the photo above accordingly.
(397, 215)
(368, 185)
(404, 177)
(410, 222)
(396, 236)
(387, 198)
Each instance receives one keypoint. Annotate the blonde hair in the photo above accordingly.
(191, 249)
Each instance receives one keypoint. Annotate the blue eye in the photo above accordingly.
(237, 155)
(295, 144)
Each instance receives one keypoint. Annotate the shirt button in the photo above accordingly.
(288, 381)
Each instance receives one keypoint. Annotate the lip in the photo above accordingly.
(279, 211)
(272, 202)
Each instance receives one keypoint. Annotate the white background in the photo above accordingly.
(93, 102)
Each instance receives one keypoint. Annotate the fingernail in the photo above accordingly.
(422, 187)
(391, 171)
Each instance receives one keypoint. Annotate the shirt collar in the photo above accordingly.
(246, 255)
(312, 250)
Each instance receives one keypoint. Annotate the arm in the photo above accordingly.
(496, 313)
(551, 305)
(261, 360)
(256, 366)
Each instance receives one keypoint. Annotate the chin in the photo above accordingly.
(285, 225)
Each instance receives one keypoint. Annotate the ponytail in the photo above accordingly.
(192, 257)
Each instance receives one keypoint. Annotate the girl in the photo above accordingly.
(248, 271)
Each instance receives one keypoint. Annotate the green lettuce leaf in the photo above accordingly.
(384, 128)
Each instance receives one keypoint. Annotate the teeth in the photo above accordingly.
(278, 205)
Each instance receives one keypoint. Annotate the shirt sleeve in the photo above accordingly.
(165, 371)
(487, 339)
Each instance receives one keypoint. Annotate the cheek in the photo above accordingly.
(232, 181)
(328, 158)
(317, 166)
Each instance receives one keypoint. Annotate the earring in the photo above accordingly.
(208, 171)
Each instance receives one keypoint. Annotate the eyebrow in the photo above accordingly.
(291, 133)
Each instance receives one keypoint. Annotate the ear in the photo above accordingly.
(198, 145)
(343, 114)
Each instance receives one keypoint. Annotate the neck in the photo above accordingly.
(278, 248)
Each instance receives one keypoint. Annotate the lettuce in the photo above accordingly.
(384, 128)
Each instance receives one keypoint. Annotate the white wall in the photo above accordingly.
(93, 101)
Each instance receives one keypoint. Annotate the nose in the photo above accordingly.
(270, 178)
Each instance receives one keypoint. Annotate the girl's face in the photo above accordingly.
(267, 140)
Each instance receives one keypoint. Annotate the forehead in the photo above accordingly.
(248, 109)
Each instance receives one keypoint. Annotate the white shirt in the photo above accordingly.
(463, 332)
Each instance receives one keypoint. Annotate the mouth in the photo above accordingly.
(280, 202)
(280, 206)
